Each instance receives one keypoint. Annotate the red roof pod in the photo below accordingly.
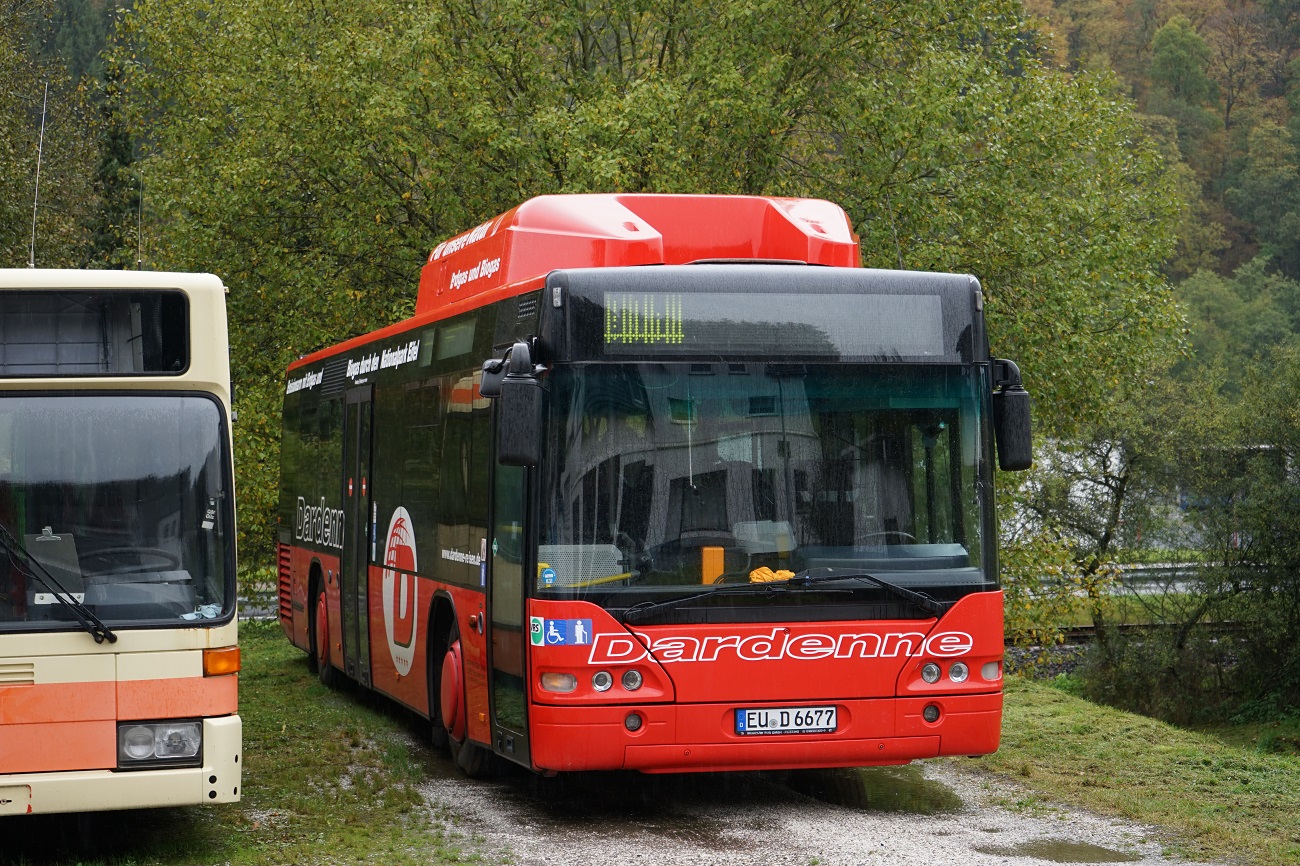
(607, 230)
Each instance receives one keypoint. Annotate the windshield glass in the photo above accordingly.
(675, 477)
(120, 500)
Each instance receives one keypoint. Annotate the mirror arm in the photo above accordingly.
(1006, 375)
(515, 363)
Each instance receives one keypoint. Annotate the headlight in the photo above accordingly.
(155, 744)
(559, 682)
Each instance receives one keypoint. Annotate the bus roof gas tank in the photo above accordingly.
(609, 230)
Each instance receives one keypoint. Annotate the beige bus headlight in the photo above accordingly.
(156, 744)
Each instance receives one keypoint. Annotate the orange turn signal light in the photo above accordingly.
(221, 661)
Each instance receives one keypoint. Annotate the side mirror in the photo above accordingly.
(1011, 422)
(519, 422)
(513, 381)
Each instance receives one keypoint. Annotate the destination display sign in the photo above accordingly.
(763, 323)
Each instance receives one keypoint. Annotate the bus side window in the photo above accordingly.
(453, 469)
(418, 423)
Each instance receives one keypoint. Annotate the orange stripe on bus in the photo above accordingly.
(56, 746)
(177, 698)
(55, 702)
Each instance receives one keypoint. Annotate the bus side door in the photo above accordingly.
(354, 575)
(507, 639)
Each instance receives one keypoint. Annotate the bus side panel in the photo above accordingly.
(407, 681)
(399, 640)
(474, 654)
(300, 564)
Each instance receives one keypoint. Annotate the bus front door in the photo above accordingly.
(359, 534)
(507, 635)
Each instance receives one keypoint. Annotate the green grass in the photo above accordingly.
(1220, 797)
(330, 780)
(327, 780)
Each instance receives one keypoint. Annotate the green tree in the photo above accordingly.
(312, 154)
(1181, 89)
(114, 223)
(1268, 194)
(65, 195)
(1240, 318)
(1179, 62)
(1235, 470)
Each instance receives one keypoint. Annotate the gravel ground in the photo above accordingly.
(925, 814)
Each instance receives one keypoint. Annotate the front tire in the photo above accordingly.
(472, 759)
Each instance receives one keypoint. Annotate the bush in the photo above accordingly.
(1149, 673)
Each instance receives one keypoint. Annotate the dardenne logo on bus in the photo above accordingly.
(319, 524)
(400, 591)
(614, 649)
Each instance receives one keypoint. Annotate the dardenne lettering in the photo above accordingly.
(614, 648)
(319, 524)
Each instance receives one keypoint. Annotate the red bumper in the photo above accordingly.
(700, 737)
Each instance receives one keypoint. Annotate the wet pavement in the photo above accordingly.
(924, 813)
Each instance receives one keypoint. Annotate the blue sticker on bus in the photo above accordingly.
(548, 577)
(567, 632)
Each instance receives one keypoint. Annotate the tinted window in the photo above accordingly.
(93, 333)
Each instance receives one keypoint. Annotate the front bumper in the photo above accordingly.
(217, 781)
(699, 737)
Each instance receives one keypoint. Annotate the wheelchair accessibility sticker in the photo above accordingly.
(559, 632)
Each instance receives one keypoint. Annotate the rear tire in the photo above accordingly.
(312, 665)
(320, 620)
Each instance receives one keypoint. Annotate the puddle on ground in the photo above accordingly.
(878, 789)
(1061, 851)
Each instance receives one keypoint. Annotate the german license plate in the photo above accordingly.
(785, 720)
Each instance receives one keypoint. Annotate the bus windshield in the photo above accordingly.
(121, 501)
(669, 477)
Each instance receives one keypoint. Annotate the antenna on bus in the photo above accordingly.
(36, 198)
(139, 224)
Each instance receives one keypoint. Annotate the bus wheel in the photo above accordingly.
(321, 643)
(312, 585)
(437, 656)
(473, 760)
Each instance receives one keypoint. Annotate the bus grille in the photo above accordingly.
(18, 674)
(286, 584)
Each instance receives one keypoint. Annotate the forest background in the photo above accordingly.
(1122, 175)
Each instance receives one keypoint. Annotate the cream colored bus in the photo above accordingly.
(119, 657)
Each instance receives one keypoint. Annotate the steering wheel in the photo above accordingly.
(637, 559)
(164, 558)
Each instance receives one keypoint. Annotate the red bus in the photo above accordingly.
(662, 483)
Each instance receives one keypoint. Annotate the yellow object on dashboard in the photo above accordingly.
(767, 575)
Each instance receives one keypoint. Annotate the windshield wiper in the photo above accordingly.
(639, 613)
(828, 574)
(84, 615)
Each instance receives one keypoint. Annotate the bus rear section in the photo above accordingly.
(119, 656)
(730, 512)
